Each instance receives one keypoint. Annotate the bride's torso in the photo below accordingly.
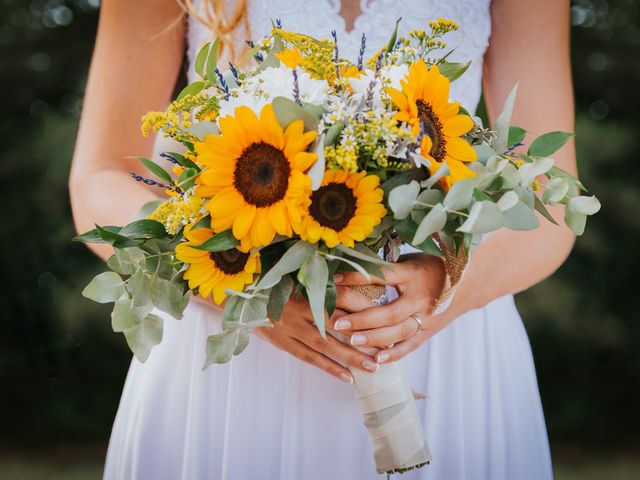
(376, 20)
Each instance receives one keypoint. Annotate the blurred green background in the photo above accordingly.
(62, 369)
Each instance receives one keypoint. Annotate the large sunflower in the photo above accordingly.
(424, 104)
(345, 208)
(214, 272)
(255, 175)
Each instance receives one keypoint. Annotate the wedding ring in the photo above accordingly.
(418, 321)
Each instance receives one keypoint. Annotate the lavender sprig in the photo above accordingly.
(368, 102)
(234, 72)
(278, 23)
(334, 34)
(363, 46)
(296, 87)
(148, 181)
(258, 56)
(223, 84)
(169, 157)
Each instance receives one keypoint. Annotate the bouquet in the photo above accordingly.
(305, 164)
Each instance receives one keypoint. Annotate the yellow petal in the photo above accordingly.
(460, 150)
(457, 125)
(243, 221)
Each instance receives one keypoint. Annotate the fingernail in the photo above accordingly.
(346, 378)
(383, 357)
(342, 325)
(358, 339)
(337, 278)
(371, 366)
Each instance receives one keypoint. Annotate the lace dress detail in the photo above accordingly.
(317, 18)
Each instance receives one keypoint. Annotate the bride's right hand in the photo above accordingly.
(296, 333)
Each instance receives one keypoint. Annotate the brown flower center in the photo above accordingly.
(333, 205)
(262, 174)
(433, 128)
(230, 261)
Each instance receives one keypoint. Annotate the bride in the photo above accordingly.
(280, 411)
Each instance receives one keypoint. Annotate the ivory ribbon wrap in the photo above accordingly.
(389, 409)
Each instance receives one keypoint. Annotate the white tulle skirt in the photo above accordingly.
(267, 415)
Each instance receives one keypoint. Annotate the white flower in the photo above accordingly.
(257, 91)
(389, 76)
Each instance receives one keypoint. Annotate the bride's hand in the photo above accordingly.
(419, 279)
(296, 333)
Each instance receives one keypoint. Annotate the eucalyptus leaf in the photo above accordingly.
(192, 89)
(353, 264)
(394, 35)
(460, 194)
(555, 190)
(442, 172)
(403, 198)
(363, 253)
(139, 285)
(125, 261)
(453, 70)
(212, 61)
(549, 143)
(333, 133)
(542, 210)
(278, 297)
(516, 135)
(292, 260)
(499, 142)
(433, 222)
(315, 273)
(144, 336)
(575, 220)
(586, 205)
(484, 152)
(520, 217)
(122, 316)
(104, 288)
(168, 297)
(219, 242)
(508, 200)
(529, 171)
(201, 58)
(115, 239)
(316, 172)
(288, 111)
(143, 228)
(484, 217)
(271, 60)
(92, 236)
(220, 347)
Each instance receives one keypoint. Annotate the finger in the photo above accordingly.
(379, 316)
(399, 350)
(351, 300)
(338, 350)
(301, 351)
(381, 337)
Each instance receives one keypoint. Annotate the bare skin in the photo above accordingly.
(138, 54)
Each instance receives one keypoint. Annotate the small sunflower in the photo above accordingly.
(424, 104)
(457, 170)
(215, 272)
(345, 208)
(255, 176)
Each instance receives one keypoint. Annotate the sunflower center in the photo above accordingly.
(262, 174)
(433, 128)
(333, 205)
(230, 261)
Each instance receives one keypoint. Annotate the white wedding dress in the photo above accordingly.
(267, 415)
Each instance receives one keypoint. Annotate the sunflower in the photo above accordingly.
(345, 208)
(255, 176)
(215, 272)
(424, 104)
(457, 169)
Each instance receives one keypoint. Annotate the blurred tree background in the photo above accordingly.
(61, 368)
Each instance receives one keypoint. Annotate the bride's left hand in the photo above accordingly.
(419, 279)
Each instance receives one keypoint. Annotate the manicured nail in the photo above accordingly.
(358, 339)
(346, 378)
(371, 366)
(338, 277)
(383, 357)
(342, 325)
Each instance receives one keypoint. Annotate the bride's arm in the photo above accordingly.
(529, 45)
(138, 53)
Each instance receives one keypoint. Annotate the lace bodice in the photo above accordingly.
(377, 19)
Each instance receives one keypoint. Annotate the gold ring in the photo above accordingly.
(418, 321)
